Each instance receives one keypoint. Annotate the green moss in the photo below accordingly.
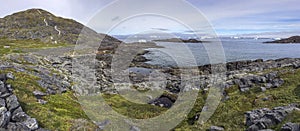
(297, 91)
(60, 111)
(139, 111)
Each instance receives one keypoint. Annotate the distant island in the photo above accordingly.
(179, 40)
(293, 39)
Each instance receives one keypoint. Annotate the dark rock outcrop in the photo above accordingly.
(162, 101)
(267, 81)
(265, 118)
(134, 128)
(179, 40)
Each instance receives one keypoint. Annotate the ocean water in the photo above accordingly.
(185, 54)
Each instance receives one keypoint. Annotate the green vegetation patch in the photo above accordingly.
(120, 105)
(8, 46)
(60, 111)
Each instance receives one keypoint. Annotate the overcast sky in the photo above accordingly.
(225, 16)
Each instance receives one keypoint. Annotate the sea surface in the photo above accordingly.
(190, 54)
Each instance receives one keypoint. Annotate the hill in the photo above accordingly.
(43, 25)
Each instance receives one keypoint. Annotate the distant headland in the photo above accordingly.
(293, 39)
(179, 40)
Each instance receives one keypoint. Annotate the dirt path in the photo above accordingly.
(59, 51)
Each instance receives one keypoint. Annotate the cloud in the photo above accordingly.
(225, 16)
(235, 16)
(75, 9)
(161, 29)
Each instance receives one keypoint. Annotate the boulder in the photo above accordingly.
(41, 101)
(277, 82)
(4, 118)
(20, 117)
(102, 125)
(12, 103)
(296, 64)
(38, 94)
(31, 123)
(271, 76)
(216, 128)
(290, 127)
(134, 128)
(3, 88)
(5, 77)
(162, 102)
(263, 89)
(9, 87)
(18, 110)
(16, 127)
(2, 102)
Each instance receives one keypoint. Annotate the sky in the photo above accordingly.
(225, 17)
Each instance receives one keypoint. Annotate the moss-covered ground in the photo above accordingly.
(8, 46)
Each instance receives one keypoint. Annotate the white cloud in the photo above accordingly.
(232, 15)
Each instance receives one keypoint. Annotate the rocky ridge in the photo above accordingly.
(179, 40)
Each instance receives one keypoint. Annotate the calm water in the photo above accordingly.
(234, 50)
